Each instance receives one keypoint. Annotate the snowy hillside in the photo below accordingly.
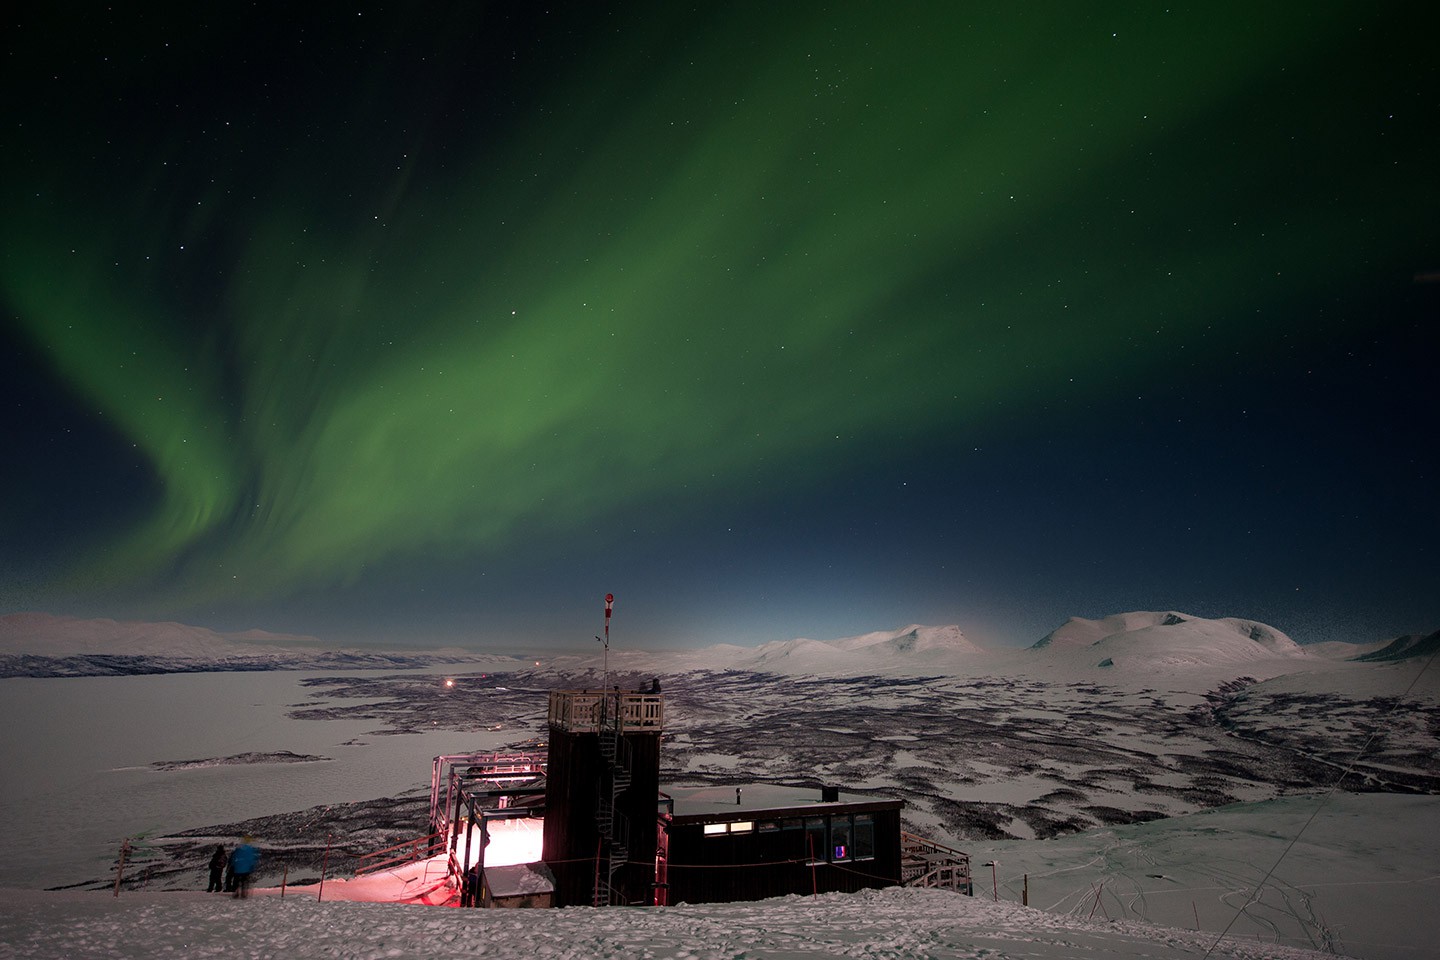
(1359, 881)
(1344, 650)
(1405, 648)
(935, 648)
(911, 640)
(1167, 638)
(900, 924)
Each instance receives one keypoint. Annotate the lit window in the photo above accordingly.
(742, 826)
(840, 838)
(713, 829)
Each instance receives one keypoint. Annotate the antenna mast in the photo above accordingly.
(605, 660)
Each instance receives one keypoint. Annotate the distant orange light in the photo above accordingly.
(449, 681)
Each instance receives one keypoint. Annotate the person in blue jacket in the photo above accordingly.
(243, 861)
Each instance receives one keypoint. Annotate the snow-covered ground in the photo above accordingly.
(81, 753)
(899, 924)
(1048, 761)
(1360, 882)
(1361, 877)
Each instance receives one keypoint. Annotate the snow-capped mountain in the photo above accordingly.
(1134, 643)
(935, 648)
(909, 650)
(1167, 638)
(914, 639)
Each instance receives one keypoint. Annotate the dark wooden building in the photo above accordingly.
(603, 779)
(612, 836)
(720, 844)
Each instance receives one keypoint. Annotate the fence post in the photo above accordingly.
(325, 862)
(120, 867)
(1098, 890)
(814, 882)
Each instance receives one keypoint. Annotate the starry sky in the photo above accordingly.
(435, 322)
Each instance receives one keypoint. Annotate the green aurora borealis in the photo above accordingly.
(463, 287)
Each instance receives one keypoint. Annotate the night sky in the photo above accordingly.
(434, 323)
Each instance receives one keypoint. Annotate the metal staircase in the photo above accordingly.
(613, 826)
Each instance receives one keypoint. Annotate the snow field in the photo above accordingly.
(895, 924)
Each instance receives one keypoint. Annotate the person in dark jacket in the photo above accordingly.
(218, 860)
(243, 862)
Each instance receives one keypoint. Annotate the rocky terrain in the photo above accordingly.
(278, 756)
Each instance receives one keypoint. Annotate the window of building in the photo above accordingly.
(815, 838)
(836, 838)
(840, 839)
(791, 842)
(863, 840)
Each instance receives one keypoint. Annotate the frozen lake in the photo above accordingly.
(77, 754)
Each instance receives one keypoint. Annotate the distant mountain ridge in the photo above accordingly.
(50, 645)
(1167, 638)
(914, 649)
(914, 643)
(1140, 642)
(54, 635)
(1135, 642)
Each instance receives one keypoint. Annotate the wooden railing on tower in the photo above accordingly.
(590, 711)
